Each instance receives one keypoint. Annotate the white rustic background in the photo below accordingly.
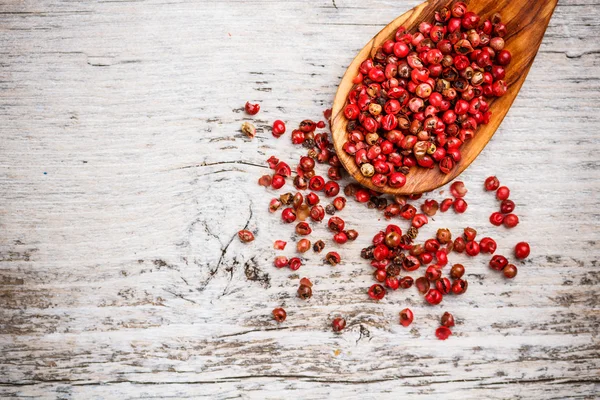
(124, 179)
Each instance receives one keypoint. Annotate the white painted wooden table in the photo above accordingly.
(124, 179)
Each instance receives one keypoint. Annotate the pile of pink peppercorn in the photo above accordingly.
(423, 94)
(414, 103)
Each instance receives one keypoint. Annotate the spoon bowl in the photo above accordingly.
(526, 22)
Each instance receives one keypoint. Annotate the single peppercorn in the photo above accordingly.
(472, 248)
(460, 206)
(458, 189)
(510, 271)
(303, 229)
(305, 289)
(498, 262)
(443, 333)
(351, 234)
(434, 296)
(422, 285)
(444, 236)
(245, 236)
(447, 320)
(491, 183)
(252, 109)
(459, 286)
(318, 246)
(487, 245)
(303, 245)
(502, 193)
(511, 220)
(279, 245)
(249, 130)
(457, 271)
(406, 317)
(406, 282)
(279, 315)
(281, 262)
(333, 258)
(376, 292)
(338, 324)
(507, 206)
(522, 250)
(496, 218)
(278, 128)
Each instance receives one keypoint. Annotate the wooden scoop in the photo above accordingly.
(526, 22)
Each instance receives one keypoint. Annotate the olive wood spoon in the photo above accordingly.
(526, 22)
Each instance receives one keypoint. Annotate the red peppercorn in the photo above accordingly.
(331, 189)
(283, 169)
(278, 128)
(496, 218)
(376, 292)
(279, 245)
(472, 248)
(277, 181)
(419, 220)
(380, 275)
(333, 258)
(444, 286)
(336, 224)
(295, 263)
(406, 282)
(422, 284)
(507, 206)
(434, 297)
(339, 203)
(433, 273)
(430, 207)
(392, 282)
(279, 315)
(487, 245)
(511, 220)
(252, 109)
(447, 320)
(265, 180)
(338, 324)
(498, 262)
(317, 213)
(406, 317)
(281, 261)
(491, 183)
(443, 333)
(245, 236)
(340, 238)
(460, 206)
(522, 250)
(458, 189)
(316, 183)
(446, 204)
(470, 234)
(303, 229)
(288, 215)
(312, 199)
(441, 257)
(459, 286)
(459, 245)
(381, 252)
(502, 193)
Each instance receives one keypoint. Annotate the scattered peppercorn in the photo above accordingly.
(279, 315)
(249, 130)
(245, 236)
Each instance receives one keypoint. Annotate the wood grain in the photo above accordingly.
(526, 23)
(124, 179)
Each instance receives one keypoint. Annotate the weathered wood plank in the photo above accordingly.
(124, 178)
